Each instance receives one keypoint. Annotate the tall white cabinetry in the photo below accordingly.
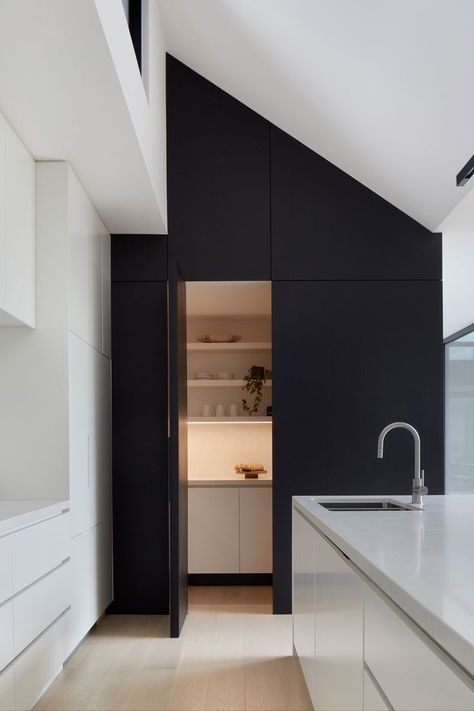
(85, 258)
(17, 230)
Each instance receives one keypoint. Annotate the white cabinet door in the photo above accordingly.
(6, 583)
(40, 664)
(339, 631)
(20, 263)
(100, 438)
(6, 634)
(86, 234)
(106, 300)
(304, 597)
(413, 672)
(80, 392)
(373, 699)
(101, 568)
(81, 619)
(213, 530)
(256, 530)
(7, 689)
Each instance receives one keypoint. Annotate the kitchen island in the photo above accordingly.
(383, 603)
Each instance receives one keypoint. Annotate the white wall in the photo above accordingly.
(458, 266)
(214, 450)
(34, 424)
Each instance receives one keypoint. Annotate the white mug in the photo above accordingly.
(220, 411)
(234, 410)
(207, 411)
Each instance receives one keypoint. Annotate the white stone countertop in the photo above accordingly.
(18, 513)
(233, 480)
(422, 560)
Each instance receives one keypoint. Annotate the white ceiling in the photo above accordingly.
(61, 91)
(234, 299)
(382, 88)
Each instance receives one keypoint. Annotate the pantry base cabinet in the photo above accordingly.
(229, 529)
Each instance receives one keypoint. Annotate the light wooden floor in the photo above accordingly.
(232, 654)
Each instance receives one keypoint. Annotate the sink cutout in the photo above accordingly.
(381, 505)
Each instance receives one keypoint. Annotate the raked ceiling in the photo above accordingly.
(382, 88)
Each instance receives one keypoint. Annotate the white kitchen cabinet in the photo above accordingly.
(36, 668)
(413, 672)
(17, 230)
(6, 584)
(38, 549)
(100, 438)
(339, 631)
(6, 634)
(106, 296)
(80, 392)
(7, 689)
(100, 542)
(213, 530)
(256, 532)
(373, 699)
(38, 606)
(81, 618)
(304, 598)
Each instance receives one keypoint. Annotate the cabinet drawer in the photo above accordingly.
(6, 634)
(6, 587)
(38, 549)
(40, 664)
(413, 672)
(38, 606)
(373, 700)
(7, 689)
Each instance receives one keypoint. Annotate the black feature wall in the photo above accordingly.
(140, 425)
(357, 315)
(218, 181)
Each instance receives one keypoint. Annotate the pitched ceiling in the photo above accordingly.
(382, 88)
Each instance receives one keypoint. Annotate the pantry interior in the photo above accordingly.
(229, 514)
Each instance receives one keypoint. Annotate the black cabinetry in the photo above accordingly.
(218, 181)
(326, 225)
(349, 358)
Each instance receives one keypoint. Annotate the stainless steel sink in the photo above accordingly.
(382, 505)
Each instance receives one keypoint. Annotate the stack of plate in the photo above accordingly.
(225, 376)
(203, 376)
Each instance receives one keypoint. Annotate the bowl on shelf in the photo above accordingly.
(203, 376)
(225, 376)
(219, 338)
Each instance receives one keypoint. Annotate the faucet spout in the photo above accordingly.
(419, 479)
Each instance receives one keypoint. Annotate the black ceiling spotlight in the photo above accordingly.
(465, 173)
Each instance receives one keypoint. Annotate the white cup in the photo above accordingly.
(207, 411)
(234, 410)
(220, 411)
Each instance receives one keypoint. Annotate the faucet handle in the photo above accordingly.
(422, 490)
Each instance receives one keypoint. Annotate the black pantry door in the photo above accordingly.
(178, 464)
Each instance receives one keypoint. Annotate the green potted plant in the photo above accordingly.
(254, 381)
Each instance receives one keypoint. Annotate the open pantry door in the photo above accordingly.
(177, 460)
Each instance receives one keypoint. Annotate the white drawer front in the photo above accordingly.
(7, 689)
(413, 672)
(6, 634)
(373, 700)
(40, 664)
(39, 605)
(6, 587)
(38, 549)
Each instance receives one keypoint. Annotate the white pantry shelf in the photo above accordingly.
(229, 347)
(222, 383)
(229, 420)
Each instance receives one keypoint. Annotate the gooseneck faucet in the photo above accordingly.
(419, 489)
